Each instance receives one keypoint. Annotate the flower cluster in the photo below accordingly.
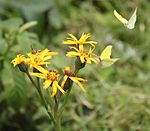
(36, 62)
(79, 50)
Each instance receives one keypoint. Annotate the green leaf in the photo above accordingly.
(34, 5)
(10, 24)
(3, 45)
(27, 39)
(16, 95)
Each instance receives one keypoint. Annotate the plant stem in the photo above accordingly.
(42, 97)
(56, 116)
(65, 101)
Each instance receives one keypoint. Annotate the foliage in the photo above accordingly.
(117, 98)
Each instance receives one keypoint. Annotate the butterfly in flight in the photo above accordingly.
(130, 24)
(105, 57)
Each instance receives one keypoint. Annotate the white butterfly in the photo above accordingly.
(129, 24)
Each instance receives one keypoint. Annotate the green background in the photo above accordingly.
(117, 98)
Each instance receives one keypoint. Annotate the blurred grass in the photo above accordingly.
(118, 97)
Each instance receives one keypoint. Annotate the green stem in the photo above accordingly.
(50, 101)
(58, 124)
(56, 107)
(65, 102)
(56, 116)
(42, 97)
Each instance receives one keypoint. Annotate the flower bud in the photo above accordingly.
(78, 64)
(23, 67)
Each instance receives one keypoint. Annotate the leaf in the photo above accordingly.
(32, 8)
(3, 45)
(27, 39)
(10, 24)
(34, 5)
(16, 95)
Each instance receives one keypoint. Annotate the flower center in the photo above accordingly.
(85, 54)
(52, 75)
(37, 59)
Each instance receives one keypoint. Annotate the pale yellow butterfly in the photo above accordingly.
(129, 24)
(105, 57)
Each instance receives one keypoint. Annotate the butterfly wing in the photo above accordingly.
(120, 18)
(106, 53)
(132, 20)
(108, 62)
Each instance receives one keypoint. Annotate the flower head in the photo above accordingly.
(51, 79)
(82, 41)
(85, 57)
(18, 60)
(39, 58)
(69, 75)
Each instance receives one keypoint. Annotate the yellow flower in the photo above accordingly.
(39, 58)
(18, 60)
(51, 80)
(85, 57)
(69, 74)
(82, 41)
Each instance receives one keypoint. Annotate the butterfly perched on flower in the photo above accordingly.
(130, 24)
(105, 57)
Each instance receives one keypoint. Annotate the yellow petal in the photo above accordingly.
(47, 58)
(52, 53)
(88, 60)
(84, 37)
(42, 63)
(56, 83)
(94, 60)
(81, 48)
(64, 81)
(41, 69)
(72, 36)
(54, 89)
(91, 42)
(72, 47)
(78, 78)
(40, 75)
(67, 68)
(47, 83)
(82, 59)
(72, 54)
(69, 42)
(77, 82)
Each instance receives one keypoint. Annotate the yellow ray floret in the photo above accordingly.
(85, 57)
(39, 58)
(80, 42)
(69, 74)
(18, 60)
(51, 79)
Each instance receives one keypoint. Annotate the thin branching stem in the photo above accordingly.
(42, 97)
